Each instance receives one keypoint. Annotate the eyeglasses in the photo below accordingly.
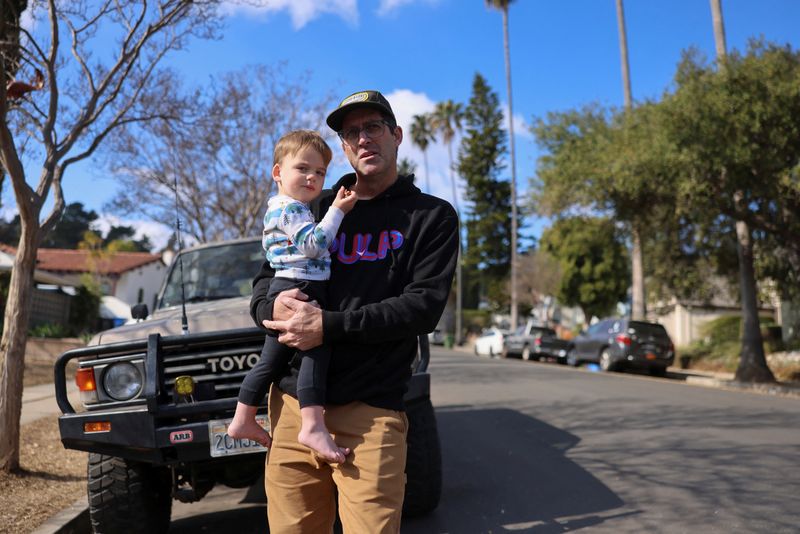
(371, 129)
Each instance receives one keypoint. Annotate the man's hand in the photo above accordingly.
(302, 330)
(281, 310)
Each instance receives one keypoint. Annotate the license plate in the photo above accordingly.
(650, 356)
(222, 444)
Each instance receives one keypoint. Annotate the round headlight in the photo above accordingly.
(122, 381)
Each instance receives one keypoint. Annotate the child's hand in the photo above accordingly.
(345, 200)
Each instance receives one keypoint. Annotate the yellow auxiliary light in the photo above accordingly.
(184, 385)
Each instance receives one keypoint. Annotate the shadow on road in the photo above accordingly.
(489, 486)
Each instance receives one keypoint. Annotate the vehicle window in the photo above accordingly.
(651, 329)
(213, 273)
(595, 328)
(617, 326)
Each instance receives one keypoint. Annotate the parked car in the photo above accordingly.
(436, 337)
(619, 343)
(549, 345)
(532, 342)
(490, 342)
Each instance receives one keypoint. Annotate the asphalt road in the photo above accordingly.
(542, 448)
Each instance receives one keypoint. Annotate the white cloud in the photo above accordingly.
(405, 104)
(301, 11)
(158, 233)
(386, 7)
(521, 127)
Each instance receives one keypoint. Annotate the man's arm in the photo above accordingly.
(414, 312)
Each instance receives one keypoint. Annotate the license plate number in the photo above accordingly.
(222, 444)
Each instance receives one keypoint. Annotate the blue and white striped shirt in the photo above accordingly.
(296, 247)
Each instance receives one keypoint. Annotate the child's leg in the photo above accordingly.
(311, 394)
(255, 385)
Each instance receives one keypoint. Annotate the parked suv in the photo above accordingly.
(532, 342)
(156, 400)
(618, 343)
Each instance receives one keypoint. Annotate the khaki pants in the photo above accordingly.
(371, 483)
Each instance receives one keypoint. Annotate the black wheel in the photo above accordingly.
(423, 460)
(572, 359)
(127, 496)
(606, 362)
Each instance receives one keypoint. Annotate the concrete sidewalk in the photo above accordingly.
(40, 401)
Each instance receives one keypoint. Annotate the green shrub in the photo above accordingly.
(50, 330)
(84, 312)
(473, 321)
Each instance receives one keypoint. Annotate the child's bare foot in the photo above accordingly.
(321, 442)
(244, 425)
(249, 430)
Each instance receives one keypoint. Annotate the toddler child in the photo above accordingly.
(297, 249)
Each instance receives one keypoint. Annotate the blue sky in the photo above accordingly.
(564, 54)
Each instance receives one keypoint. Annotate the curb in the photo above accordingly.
(74, 519)
(769, 389)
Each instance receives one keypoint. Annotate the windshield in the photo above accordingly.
(214, 273)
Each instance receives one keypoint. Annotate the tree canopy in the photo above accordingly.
(487, 254)
(593, 260)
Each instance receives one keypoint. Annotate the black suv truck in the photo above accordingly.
(155, 401)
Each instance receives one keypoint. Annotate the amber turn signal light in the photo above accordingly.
(97, 426)
(84, 378)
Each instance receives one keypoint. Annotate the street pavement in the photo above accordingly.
(606, 506)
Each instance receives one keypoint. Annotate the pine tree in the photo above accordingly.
(487, 258)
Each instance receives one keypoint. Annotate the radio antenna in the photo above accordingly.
(184, 320)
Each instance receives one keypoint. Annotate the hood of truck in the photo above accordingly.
(202, 317)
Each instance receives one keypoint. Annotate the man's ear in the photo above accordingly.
(276, 173)
(398, 135)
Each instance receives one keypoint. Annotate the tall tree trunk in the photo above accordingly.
(514, 214)
(719, 29)
(459, 288)
(427, 176)
(638, 304)
(752, 362)
(12, 347)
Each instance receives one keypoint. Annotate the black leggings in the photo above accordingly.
(275, 356)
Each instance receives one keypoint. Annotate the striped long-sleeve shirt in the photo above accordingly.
(297, 247)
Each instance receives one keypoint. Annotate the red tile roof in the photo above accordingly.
(65, 260)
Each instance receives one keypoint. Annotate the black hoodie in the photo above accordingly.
(391, 269)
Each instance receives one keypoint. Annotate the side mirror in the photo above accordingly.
(140, 311)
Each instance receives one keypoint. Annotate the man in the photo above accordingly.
(391, 269)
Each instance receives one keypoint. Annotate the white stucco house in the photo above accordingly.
(132, 277)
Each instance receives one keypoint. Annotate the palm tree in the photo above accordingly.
(753, 363)
(421, 136)
(638, 305)
(446, 120)
(502, 5)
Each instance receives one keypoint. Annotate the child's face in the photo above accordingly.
(300, 176)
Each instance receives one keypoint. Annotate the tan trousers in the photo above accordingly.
(371, 483)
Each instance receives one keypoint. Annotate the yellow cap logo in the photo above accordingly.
(358, 97)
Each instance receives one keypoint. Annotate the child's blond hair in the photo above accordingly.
(295, 141)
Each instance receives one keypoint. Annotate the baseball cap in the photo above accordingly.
(364, 99)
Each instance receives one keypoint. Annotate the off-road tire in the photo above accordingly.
(423, 460)
(127, 496)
